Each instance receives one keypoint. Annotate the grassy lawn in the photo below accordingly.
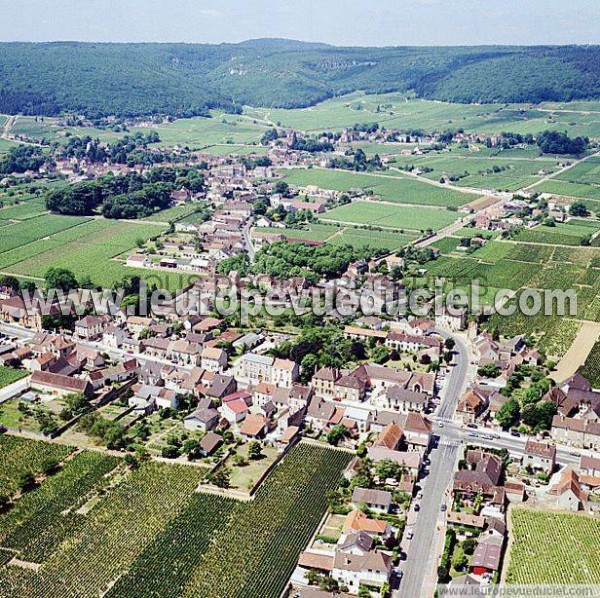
(243, 477)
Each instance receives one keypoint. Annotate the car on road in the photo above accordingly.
(420, 495)
(440, 424)
(410, 535)
(515, 433)
(472, 426)
(417, 507)
(472, 435)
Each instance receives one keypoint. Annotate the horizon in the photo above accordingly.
(338, 22)
(300, 41)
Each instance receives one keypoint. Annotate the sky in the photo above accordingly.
(339, 22)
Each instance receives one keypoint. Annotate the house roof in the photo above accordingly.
(390, 437)
(237, 406)
(358, 521)
(488, 553)
(60, 382)
(543, 450)
(372, 497)
(210, 441)
(253, 425)
(314, 560)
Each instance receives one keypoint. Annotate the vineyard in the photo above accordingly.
(591, 368)
(147, 533)
(255, 553)
(35, 526)
(167, 565)
(107, 540)
(20, 457)
(10, 375)
(554, 548)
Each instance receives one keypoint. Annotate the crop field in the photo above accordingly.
(24, 210)
(489, 173)
(591, 368)
(234, 150)
(392, 187)
(19, 456)
(394, 110)
(255, 553)
(36, 524)
(554, 548)
(166, 566)
(379, 239)
(107, 540)
(313, 232)
(9, 375)
(151, 534)
(391, 217)
(570, 233)
(21, 233)
(564, 188)
(86, 249)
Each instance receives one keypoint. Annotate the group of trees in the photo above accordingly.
(554, 142)
(357, 160)
(128, 196)
(21, 158)
(284, 260)
(130, 150)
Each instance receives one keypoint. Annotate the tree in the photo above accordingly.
(336, 434)
(387, 469)
(221, 478)
(170, 452)
(489, 370)
(459, 559)
(508, 415)
(60, 278)
(10, 282)
(579, 208)
(255, 450)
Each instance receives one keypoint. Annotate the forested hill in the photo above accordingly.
(183, 79)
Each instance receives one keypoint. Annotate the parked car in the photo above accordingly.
(443, 507)
(515, 433)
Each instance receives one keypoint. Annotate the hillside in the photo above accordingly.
(185, 80)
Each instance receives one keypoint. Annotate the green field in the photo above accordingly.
(84, 246)
(23, 210)
(152, 535)
(20, 456)
(391, 217)
(391, 187)
(567, 189)
(553, 548)
(394, 110)
(9, 375)
(591, 368)
(570, 233)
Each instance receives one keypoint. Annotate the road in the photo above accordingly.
(419, 568)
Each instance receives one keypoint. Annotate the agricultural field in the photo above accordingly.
(591, 368)
(564, 188)
(9, 375)
(146, 532)
(24, 210)
(553, 548)
(344, 235)
(20, 456)
(43, 517)
(388, 216)
(234, 150)
(357, 237)
(570, 233)
(34, 229)
(396, 110)
(391, 187)
(84, 246)
(255, 553)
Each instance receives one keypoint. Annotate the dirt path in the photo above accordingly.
(577, 354)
